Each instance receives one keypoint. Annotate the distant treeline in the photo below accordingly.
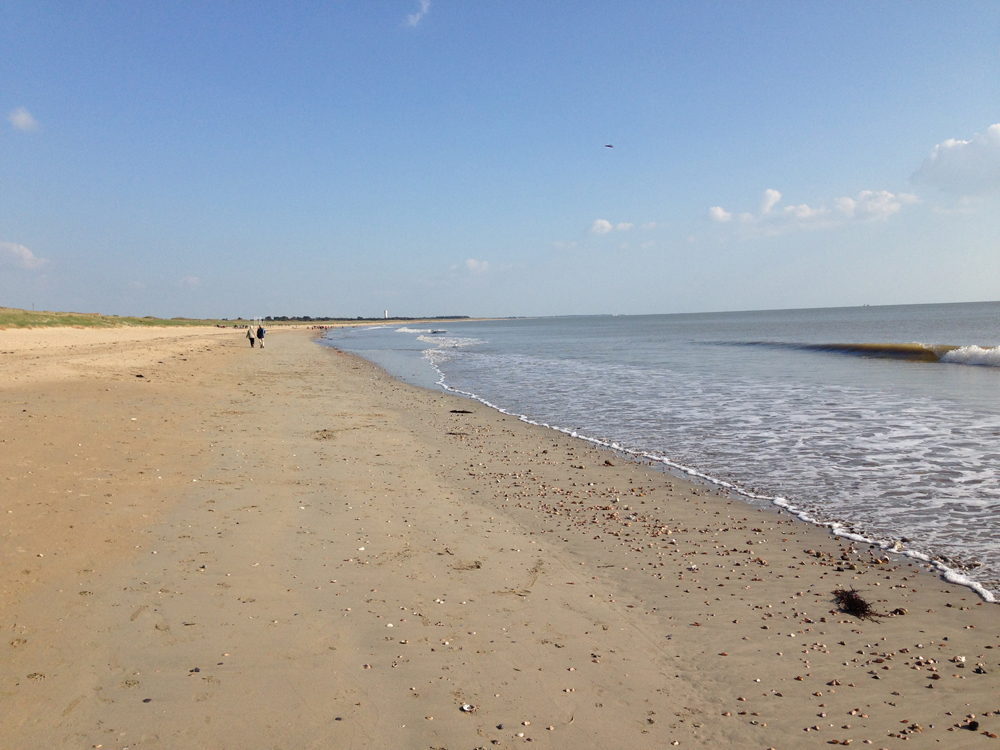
(307, 318)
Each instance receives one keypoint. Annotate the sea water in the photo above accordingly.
(881, 422)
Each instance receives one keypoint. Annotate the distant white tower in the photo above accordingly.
(386, 314)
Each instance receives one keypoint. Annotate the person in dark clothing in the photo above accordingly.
(260, 336)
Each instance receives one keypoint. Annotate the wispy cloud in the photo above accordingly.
(649, 225)
(603, 226)
(415, 18)
(12, 254)
(773, 218)
(564, 244)
(470, 272)
(191, 282)
(22, 119)
(966, 205)
(964, 167)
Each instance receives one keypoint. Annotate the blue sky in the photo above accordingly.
(442, 157)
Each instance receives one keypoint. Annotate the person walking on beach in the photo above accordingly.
(250, 336)
(260, 336)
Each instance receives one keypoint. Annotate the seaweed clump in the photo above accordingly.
(852, 603)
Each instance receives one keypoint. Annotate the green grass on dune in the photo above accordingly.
(11, 317)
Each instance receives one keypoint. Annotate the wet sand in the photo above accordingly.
(287, 548)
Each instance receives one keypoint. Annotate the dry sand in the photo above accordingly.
(289, 549)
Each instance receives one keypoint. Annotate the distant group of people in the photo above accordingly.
(258, 339)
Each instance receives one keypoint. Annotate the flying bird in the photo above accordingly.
(608, 145)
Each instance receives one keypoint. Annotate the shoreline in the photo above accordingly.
(292, 548)
(836, 529)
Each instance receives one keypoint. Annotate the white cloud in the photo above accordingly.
(874, 205)
(719, 214)
(414, 18)
(564, 244)
(847, 206)
(804, 211)
(21, 119)
(769, 201)
(603, 226)
(12, 254)
(649, 225)
(477, 266)
(191, 282)
(868, 205)
(964, 167)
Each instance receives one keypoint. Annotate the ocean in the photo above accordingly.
(882, 423)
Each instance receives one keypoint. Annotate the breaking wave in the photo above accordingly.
(913, 352)
(973, 355)
(447, 342)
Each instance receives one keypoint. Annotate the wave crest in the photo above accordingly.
(973, 355)
(913, 352)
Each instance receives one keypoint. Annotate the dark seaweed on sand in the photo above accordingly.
(852, 603)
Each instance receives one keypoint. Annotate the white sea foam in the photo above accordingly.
(404, 329)
(974, 355)
(448, 342)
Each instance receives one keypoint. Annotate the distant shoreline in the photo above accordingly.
(12, 317)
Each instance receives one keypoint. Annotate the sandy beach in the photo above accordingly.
(206, 545)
